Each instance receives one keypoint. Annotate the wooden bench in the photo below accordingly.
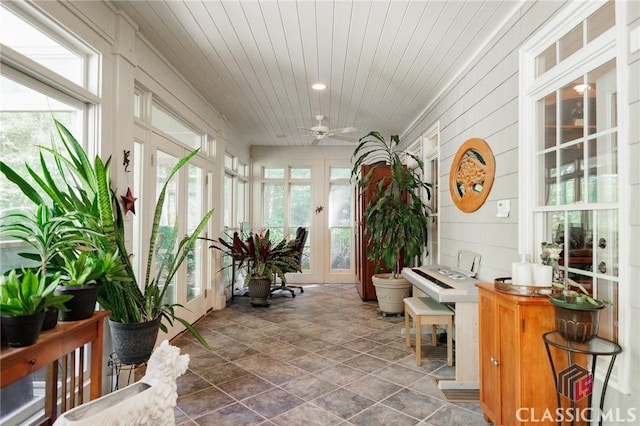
(426, 311)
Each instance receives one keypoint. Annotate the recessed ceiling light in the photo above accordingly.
(319, 86)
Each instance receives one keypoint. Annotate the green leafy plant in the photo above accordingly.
(262, 258)
(82, 270)
(50, 237)
(575, 293)
(87, 192)
(28, 293)
(396, 218)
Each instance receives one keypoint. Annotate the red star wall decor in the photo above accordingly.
(128, 202)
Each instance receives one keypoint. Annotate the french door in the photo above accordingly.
(319, 197)
(187, 200)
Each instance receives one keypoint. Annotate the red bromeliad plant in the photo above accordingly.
(262, 258)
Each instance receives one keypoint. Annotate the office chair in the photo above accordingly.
(299, 242)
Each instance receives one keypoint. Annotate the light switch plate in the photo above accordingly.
(504, 208)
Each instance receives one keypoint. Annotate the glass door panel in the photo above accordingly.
(300, 212)
(186, 202)
(273, 210)
(340, 214)
(167, 231)
(195, 208)
(227, 209)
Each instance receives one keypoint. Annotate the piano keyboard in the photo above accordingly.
(441, 287)
(431, 278)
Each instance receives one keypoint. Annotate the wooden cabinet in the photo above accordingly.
(516, 381)
(365, 268)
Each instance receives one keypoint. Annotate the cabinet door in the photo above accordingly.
(489, 372)
(508, 361)
(537, 387)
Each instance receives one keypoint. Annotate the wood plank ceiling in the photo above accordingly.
(382, 61)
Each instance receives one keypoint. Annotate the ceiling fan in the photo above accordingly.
(321, 132)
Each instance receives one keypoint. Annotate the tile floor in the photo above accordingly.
(321, 358)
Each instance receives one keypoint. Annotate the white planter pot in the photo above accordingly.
(391, 292)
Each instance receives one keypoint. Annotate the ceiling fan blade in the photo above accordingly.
(315, 141)
(343, 130)
(344, 138)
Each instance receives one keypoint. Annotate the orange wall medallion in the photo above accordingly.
(471, 176)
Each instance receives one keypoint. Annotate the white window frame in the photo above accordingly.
(237, 173)
(606, 47)
(431, 152)
(29, 73)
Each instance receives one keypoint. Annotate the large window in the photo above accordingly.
(28, 104)
(574, 99)
(236, 178)
(235, 206)
(426, 147)
(173, 126)
(35, 41)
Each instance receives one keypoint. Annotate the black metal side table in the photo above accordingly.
(594, 347)
(130, 372)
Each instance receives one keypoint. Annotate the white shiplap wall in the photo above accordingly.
(632, 128)
(483, 102)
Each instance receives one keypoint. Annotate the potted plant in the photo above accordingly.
(396, 217)
(52, 241)
(577, 312)
(81, 277)
(88, 194)
(263, 260)
(24, 297)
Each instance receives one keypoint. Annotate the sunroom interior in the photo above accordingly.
(552, 87)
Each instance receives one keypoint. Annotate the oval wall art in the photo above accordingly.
(471, 177)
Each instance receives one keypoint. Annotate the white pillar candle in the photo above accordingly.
(521, 273)
(543, 275)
